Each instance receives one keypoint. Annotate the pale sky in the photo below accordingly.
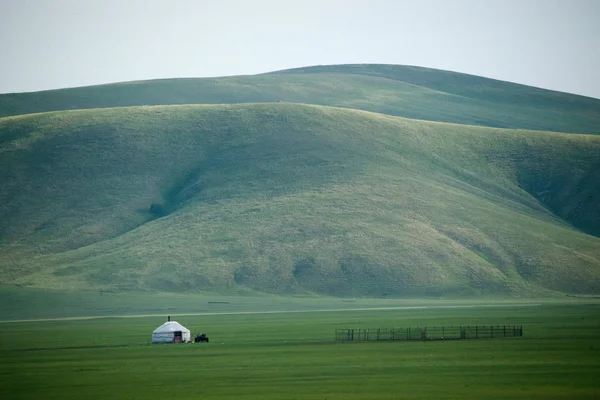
(47, 44)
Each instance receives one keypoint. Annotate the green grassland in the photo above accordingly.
(293, 356)
(269, 210)
(404, 91)
(287, 198)
(24, 304)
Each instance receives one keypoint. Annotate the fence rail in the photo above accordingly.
(430, 333)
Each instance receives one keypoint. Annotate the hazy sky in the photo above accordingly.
(48, 44)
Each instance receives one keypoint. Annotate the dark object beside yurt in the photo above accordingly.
(201, 338)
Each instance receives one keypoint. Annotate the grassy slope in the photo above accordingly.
(396, 90)
(288, 198)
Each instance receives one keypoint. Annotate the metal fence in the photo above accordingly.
(429, 333)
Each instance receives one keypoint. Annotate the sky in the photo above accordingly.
(48, 44)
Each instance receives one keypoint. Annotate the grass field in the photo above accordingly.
(293, 356)
(36, 304)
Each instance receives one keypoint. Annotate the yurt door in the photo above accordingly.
(178, 335)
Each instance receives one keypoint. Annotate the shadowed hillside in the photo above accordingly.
(411, 92)
(289, 198)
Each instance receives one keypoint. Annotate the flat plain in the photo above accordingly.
(293, 355)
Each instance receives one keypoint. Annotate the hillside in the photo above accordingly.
(290, 198)
(411, 92)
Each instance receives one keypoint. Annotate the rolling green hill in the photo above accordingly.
(411, 92)
(295, 198)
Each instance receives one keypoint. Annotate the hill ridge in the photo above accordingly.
(325, 67)
(378, 114)
(412, 92)
(293, 198)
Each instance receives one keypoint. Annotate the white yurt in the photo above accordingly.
(171, 332)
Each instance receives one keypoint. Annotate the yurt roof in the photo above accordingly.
(171, 326)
